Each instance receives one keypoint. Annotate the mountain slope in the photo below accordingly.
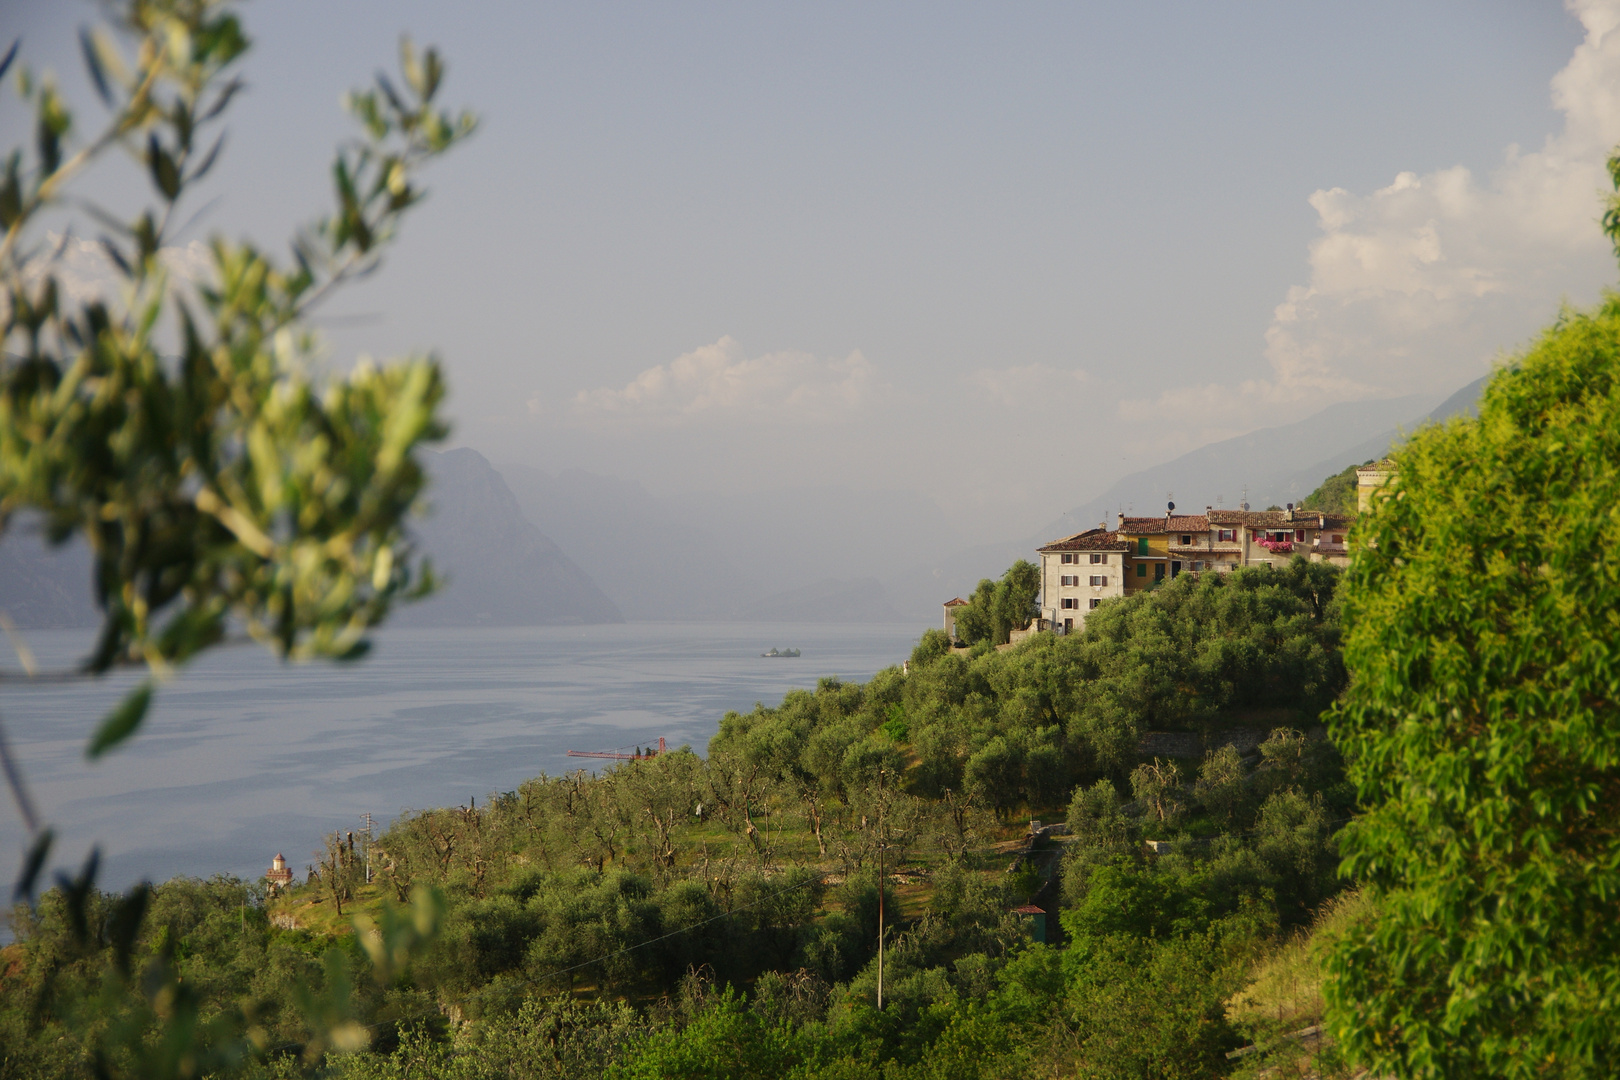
(1265, 462)
(502, 570)
(650, 562)
(801, 554)
(45, 588)
(1264, 465)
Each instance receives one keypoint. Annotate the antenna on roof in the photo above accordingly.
(1245, 503)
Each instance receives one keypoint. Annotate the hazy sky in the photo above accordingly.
(995, 253)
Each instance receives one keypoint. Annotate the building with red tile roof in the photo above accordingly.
(1080, 572)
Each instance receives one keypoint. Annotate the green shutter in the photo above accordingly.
(1142, 546)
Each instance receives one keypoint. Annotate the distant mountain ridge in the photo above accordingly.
(792, 554)
(1264, 461)
(45, 588)
(521, 546)
(501, 570)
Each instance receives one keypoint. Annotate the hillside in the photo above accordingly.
(41, 587)
(719, 916)
(789, 554)
(1216, 474)
(501, 569)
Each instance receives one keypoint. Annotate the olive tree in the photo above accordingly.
(177, 427)
(998, 607)
(1482, 728)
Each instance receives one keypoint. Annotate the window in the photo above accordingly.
(1299, 535)
(1197, 565)
(1066, 558)
(1338, 538)
(1141, 569)
(1095, 602)
(1098, 557)
(1069, 579)
(1186, 541)
(1068, 625)
(1225, 536)
(1158, 571)
(1141, 546)
(1068, 603)
(1097, 580)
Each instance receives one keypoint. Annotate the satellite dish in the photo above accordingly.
(1171, 505)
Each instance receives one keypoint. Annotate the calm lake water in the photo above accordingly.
(242, 757)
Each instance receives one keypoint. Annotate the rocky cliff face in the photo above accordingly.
(41, 587)
(502, 570)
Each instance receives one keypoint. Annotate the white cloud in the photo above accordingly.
(84, 273)
(1417, 286)
(720, 380)
(1029, 386)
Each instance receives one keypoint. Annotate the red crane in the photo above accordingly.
(620, 755)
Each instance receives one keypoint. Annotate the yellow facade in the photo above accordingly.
(1148, 562)
(1369, 478)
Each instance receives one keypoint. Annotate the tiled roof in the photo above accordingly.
(1263, 519)
(955, 602)
(1090, 540)
(1136, 526)
(1278, 519)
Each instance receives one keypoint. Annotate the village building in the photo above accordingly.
(1369, 478)
(1276, 536)
(1079, 572)
(1162, 547)
(950, 615)
(279, 875)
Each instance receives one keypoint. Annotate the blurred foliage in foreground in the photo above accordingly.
(174, 423)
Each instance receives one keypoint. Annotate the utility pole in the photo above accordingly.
(880, 890)
(366, 818)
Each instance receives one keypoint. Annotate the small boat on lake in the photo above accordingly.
(780, 652)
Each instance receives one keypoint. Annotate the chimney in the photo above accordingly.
(1290, 511)
(1122, 519)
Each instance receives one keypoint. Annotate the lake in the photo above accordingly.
(242, 757)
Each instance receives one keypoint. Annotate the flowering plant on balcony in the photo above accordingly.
(1277, 545)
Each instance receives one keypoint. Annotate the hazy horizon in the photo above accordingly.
(724, 249)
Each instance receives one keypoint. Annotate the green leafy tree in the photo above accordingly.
(216, 482)
(177, 428)
(998, 607)
(1223, 786)
(1337, 494)
(1157, 786)
(1482, 728)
